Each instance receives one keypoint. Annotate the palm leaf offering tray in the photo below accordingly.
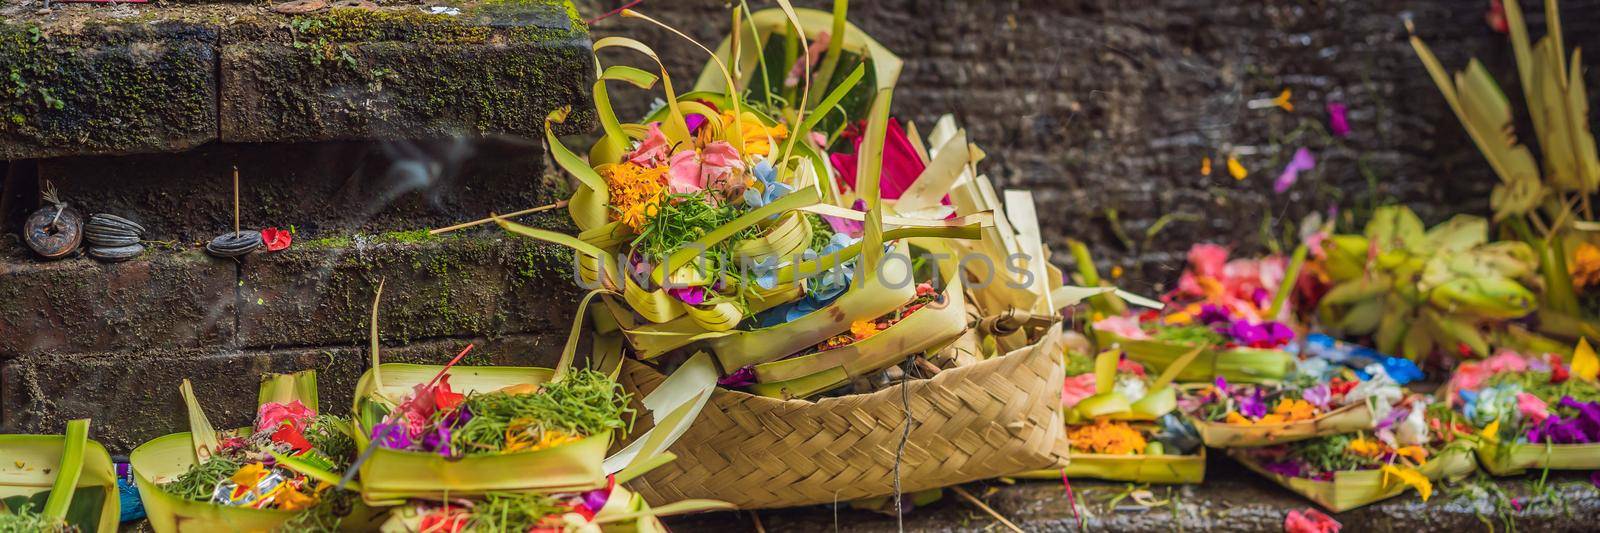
(57, 483)
(1335, 389)
(240, 479)
(1234, 309)
(1531, 412)
(440, 431)
(1345, 471)
(1122, 423)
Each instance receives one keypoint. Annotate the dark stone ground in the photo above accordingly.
(1231, 499)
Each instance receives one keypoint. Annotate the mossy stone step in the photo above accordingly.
(98, 80)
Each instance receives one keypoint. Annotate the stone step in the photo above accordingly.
(92, 79)
(132, 396)
(316, 293)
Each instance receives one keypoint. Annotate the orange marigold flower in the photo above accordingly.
(1107, 437)
(1294, 410)
(1585, 266)
(862, 329)
(636, 191)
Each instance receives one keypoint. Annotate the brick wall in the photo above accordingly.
(1108, 106)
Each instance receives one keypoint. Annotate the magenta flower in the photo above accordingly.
(853, 228)
(739, 378)
(1303, 161)
(690, 295)
(901, 164)
(595, 499)
(1337, 122)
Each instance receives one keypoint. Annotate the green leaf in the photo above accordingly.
(70, 469)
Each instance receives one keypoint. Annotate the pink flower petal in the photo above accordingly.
(683, 173)
(654, 150)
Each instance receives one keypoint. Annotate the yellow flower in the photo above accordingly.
(1107, 437)
(1236, 418)
(1235, 169)
(1179, 318)
(1283, 101)
(249, 475)
(1295, 410)
(1409, 476)
(293, 500)
(1584, 363)
(862, 329)
(758, 137)
(1365, 448)
(1585, 266)
(1491, 432)
(1415, 453)
(1205, 166)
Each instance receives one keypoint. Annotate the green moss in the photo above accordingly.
(332, 241)
(406, 237)
(53, 94)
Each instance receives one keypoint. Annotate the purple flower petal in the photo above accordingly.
(1212, 314)
(739, 378)
(1303, 161)
(1284, 468)
(1319, 395)
(1253, 406)
(391, 435)
(1338, 123)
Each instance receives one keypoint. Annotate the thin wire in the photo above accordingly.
(905, 435)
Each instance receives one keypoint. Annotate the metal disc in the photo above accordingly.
(107, 220)
(234, 244)
(116, 254)
(51, 236)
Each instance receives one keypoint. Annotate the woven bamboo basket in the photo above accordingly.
(992, 418)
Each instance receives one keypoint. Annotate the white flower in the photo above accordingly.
(1131, 387)
(1413, 429)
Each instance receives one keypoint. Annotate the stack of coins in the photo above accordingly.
(113, 238)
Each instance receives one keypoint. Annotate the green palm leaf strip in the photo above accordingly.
(68, 472)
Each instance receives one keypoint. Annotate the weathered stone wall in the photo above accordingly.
(1105, 108)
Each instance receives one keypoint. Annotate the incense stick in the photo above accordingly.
(236, 198)
(482, 221)
(984, 507)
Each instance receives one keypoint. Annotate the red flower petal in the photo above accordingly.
(276, 239)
